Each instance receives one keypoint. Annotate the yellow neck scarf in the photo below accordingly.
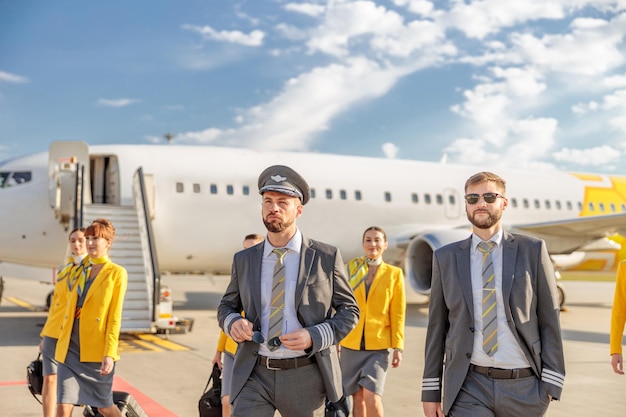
(357, 270)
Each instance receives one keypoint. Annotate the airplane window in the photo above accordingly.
(329, 193)
(414, 198)
(580, 206)
(357, 195)
(230, 190)
(439, 199)
(342, 194)
(387, 196)
(569, 205)
(623, 207)
(548, 206)
(312, 192)
(180, 187)
(558, 204)
(245, 190)
(526, 205)
(537, 204)
(514, 202)
(427, 198)
(196, 188)
(612, 208)
(601, 206)
(451, 200)
(213, 189)
(592, 207)
(10, 179)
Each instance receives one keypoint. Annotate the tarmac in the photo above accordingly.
(167, 374)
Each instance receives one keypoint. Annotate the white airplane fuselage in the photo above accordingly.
(205, 200)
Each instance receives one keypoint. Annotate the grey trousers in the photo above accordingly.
(294, 393)
(482, 396)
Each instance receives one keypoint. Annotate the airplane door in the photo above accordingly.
(63, 153)
(452, 203)
(105, 181)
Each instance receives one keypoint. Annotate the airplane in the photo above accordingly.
(200, 201)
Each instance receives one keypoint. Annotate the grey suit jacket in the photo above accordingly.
(323, 295)
(531, 306)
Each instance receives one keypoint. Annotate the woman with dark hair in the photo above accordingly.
(379, 291)
(50, 331)
(88, 342)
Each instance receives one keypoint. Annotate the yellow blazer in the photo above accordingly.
(56, 312)
(226, 344)
(382, 313)
(52, 328)
(618, 312)
(100, 317)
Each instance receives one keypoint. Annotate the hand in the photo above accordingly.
(397, 358)
(617, 363)
(217, 359)
(107, 365)
(432, 409)
(241, 330)
(297, 340)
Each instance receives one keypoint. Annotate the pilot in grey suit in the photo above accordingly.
(501, 361)
(286, 362)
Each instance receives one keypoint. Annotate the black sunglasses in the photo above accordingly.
(488, 197)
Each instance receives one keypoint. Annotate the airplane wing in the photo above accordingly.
(566, 236)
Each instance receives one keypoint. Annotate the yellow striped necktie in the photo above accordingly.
(489, 316)
(277, 304)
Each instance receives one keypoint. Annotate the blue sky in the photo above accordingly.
(525, 83)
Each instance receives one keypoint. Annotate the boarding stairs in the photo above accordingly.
(128, 252)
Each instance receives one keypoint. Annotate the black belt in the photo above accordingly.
(284, 364)
(499, 373)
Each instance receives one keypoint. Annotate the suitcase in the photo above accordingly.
(125, 402)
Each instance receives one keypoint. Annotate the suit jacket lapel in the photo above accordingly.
(465, 279)
(256, 261)
(306, 263)
(509, 257)
(380, 272)
(98, 280)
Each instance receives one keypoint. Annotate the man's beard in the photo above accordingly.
(487, 223)
(277, 227)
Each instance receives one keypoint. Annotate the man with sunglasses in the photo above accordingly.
(298, 305)
(493, 318)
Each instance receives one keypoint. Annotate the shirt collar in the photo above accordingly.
(497, 239)
(294, 244)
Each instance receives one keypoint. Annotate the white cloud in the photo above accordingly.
(480, 19)
(421, 7)
(118, 102)
(589, 50)
(12, 78)
(600, 155)
(390, 150)
(254, 38)
(345, 22)
(308, 9)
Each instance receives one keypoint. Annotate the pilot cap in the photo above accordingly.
(282, 179)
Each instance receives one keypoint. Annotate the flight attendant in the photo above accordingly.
(88, 341)
(52, 327)
(379, 291)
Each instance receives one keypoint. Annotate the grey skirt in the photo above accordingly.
(80, 383)
(48, 347)
(364, 368)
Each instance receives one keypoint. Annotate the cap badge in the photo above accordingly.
(278, 178)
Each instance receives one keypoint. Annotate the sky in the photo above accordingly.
(532, 84)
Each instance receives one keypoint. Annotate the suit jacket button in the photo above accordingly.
(472, 329)
(468, 355)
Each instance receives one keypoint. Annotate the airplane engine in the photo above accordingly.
(418, 262)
